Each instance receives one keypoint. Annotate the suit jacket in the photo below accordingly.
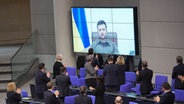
(121, 74)
(145, 78)
(110, 74)
(13, 97)
(99, 94)
(178, 70)
(82, 99)
(167, 98)
(50, 98)
(56, 69)
(41, 81)
(63, 84)
(90, 71)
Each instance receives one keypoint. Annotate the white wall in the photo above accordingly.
(162, 28)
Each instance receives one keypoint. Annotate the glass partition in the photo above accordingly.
(23, 58)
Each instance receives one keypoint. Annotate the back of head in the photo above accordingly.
(82, 90)
(179, 59)
(62, 69)
(90, 51)
(41, 66)
(59, 57)
(144, 64)
(120, 60)
(11, 86)
(118, 100)
(50, 85)
(110, 59)
(166, 86)
(89, 58)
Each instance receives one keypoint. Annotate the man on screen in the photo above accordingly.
(102, 44)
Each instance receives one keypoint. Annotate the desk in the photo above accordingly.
(30, 100)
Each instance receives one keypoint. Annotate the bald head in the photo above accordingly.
(118, 100)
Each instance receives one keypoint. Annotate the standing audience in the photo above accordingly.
(120, 62)
(41, 80)
(49, 96)
(13, 94)
(82, 98)
(178, 70)
(167, 97)
(118, 100)
(144, 77)
(99, 90)
(90, 72)
(63, 84)
(57, 65)
(110, 74)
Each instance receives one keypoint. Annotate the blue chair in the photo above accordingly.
(159, 80)
(100, 72)
(92, 98)
(179, 95)
(71, 71)
(130, 77)
(69, 99)
(81, 82)
(24, 93)
(74, 80)
(82, 72)
(137, 89)
(133, 103)
(125, 88)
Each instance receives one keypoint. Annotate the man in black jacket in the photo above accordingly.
(63, 84)
(41, 80)
(49, 96)
(82, 98)
(167, 97)
(144, 77)
(178, 70)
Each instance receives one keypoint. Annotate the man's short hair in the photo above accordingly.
(110, 58)
(41, 66)
(62, 69)
(90, 51)
(100, 22)
(118, 100)
(50, 85)
(144, 64)
(82, 90)
(166, 86)
(179, 59)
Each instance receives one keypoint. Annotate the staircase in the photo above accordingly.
(6, 52)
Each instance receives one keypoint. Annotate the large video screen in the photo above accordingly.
(106, 30)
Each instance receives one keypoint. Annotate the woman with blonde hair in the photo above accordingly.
(120, 62)
(57, 65)
(13, 94)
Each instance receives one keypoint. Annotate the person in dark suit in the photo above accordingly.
(13, 94)
(57, 65)
(110, 74)
(82, 98)
(41, 80)
(49, 96)
(99, 90)
(120, 62)
(144, 77)
(63, 84)
(178, 70)
(167, 97)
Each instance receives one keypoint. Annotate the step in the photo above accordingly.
(5, 77)
(5, 69)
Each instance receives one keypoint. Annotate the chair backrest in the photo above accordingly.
(110, 35)
(159, 80)
(69, 99)
(92, 98)
(73, 80)
(24, 93)
(133, 103)
(82, 72)
(100, 72)
(179, 95)
(71, 71)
